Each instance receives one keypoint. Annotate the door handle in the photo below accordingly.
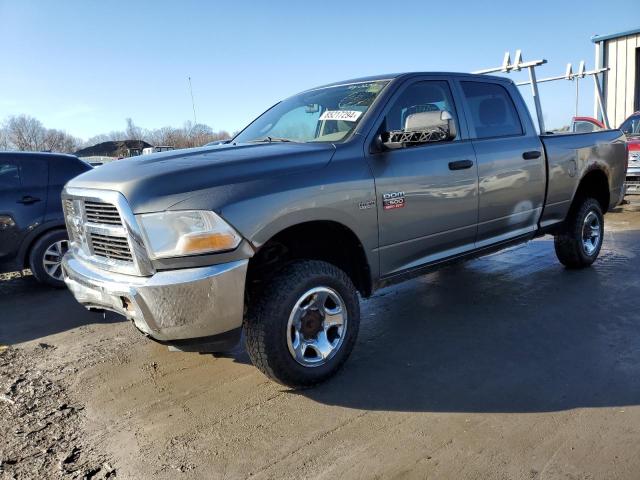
(460, 164)
(532, 155)
(28, 200)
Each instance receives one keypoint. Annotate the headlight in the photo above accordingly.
(186, 232)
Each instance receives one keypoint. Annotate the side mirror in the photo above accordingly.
(420, 128)
(377, 145)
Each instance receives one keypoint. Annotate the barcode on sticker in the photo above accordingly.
(344, 115)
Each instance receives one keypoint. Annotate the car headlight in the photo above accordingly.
(186, 232)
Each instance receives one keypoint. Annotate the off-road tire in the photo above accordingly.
(568, 242)
(266, 322)
(36, 257)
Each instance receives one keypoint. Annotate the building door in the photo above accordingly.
(636, 88)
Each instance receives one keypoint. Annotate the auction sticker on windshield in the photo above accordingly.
(344, 115)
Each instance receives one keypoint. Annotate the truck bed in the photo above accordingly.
(570, 156)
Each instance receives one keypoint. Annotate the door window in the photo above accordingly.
(427, 96)
(492, 111)
(9, 175)
(34, 171)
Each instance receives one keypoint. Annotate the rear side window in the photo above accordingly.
(34, 171)
(9, 175)
(64, 169)
(493, 113)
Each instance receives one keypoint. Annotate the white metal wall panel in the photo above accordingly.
(633, 42)
(621, 81)
(621, 78)
(612, 74)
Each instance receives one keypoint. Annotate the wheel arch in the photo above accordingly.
(326, 240)
(32, 239)
(594, 184)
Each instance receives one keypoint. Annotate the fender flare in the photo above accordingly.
(22, 259)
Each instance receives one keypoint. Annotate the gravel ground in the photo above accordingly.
(508, 366)
(44, 437)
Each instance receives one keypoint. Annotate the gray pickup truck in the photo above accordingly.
(328, 196)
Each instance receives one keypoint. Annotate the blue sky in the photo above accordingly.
(84, 66)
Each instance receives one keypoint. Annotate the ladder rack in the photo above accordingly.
(518, 64)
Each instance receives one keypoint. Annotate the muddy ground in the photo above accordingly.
(505, 367)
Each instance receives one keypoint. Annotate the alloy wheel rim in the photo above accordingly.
(591, 233)
(52, 258)
(316, 327)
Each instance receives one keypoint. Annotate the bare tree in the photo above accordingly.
(190, 135)
(161, 136)
(133, 132)
(58, 141)
(4, 139)
(25, 133)
(22, 132)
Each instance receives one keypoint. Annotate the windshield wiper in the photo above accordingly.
(271, 140)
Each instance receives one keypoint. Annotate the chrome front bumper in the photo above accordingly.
(171, 305)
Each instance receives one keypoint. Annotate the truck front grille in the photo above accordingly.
(113, 248)
(102, 213)
(102, 231)
(104, 244)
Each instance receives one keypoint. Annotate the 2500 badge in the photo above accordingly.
(393, 200)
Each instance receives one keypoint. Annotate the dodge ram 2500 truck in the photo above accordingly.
(328, 196)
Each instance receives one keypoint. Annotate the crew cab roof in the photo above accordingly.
(394, 76)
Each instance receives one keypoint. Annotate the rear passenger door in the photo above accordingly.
(32, 202)
(510, 157)
(23, 190)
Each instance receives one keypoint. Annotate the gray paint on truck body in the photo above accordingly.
(262, 189)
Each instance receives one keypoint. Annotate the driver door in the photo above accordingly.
(428, 193)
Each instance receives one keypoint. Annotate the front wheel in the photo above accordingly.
(302, 327)
(579, 243)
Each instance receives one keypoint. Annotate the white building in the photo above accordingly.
(619, 52)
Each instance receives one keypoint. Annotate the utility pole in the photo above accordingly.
(193, 104)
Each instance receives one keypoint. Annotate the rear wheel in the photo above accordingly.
(302, 328)
(578, 245)
(45, 259)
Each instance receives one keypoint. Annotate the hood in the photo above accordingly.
(166, 178)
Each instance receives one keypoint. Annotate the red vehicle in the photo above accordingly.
(631, 128)
(586, 125)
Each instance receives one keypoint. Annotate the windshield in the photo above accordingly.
(631, 126)
(324, 115)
